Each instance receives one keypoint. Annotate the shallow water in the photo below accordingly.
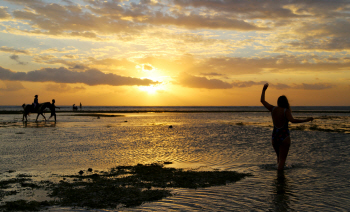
(316, 176)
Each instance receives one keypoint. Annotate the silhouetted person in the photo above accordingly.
(36, 102)
(280, 134)
(53, 109)
(80, 106)
(75, 107)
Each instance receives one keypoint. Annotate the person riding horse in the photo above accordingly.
(35, 103)
(39, 109)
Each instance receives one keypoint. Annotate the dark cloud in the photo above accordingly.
(63, 75)
(16, 58)
(79, 67)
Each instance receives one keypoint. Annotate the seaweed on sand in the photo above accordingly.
(23, 205)
(129, 186)
(133, 185)
(6, 183)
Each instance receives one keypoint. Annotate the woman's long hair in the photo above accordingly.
(283, 102)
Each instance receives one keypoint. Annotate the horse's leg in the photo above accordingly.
(43, 116)
(37, 117)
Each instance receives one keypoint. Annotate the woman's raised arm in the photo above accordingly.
(262, 99)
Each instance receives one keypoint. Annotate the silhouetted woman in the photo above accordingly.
(281, 114)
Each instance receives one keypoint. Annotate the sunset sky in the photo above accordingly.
(174, 52)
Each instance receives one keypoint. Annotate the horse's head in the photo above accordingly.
(24, 105)
(45, 105)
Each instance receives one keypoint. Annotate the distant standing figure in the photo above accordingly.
(53, 109)
(80, 106)
(281, 114)
(36, 102)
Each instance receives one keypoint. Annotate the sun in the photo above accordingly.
(152, 73)
(155, 88)
(151, 89)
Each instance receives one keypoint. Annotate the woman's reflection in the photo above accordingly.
(281, 193)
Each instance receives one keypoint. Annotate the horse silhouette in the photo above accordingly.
(40, 110)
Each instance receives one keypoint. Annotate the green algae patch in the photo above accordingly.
(124, 186)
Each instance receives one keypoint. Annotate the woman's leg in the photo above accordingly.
(276, 148)
(283, 152)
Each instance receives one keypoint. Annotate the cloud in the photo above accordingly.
(284, 9)
(315, 86)
(194, 21)
(147, 67)
(281, 63)
(211, 74)
(202, 82)
(322, 36)
(4, 15)
(63, 88)
(280, 86)
(187, 80)
(244, 84)
(14, 51)
(294, 25)
(11, 86)
(63, 75)
(99, 18)
(16, 58)
(73, 20)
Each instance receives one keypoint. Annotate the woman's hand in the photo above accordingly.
(265, 86)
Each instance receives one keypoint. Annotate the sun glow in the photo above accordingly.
(154, 74)
(155, 88)
(151, 90)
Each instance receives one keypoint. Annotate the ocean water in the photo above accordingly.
(316, 177)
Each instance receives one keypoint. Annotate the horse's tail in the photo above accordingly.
(26, 109)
